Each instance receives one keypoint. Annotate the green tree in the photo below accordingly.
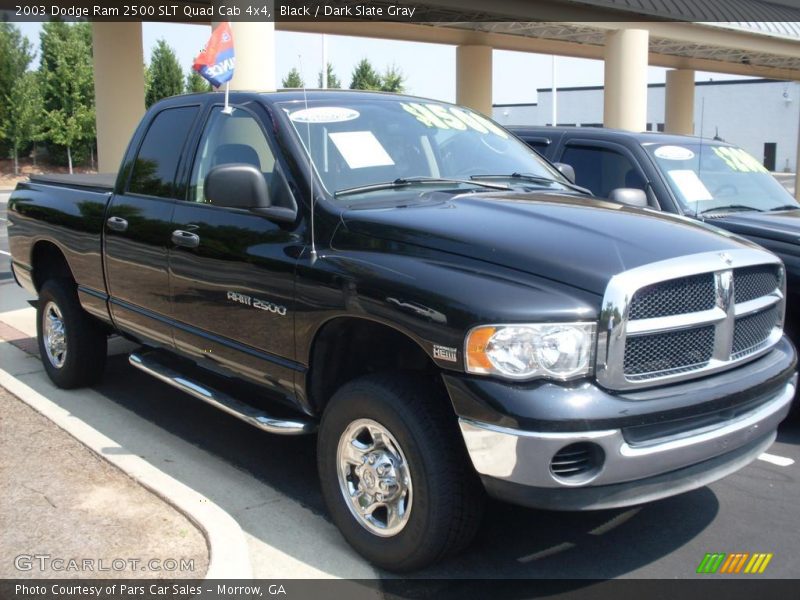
(333, 80)
(67, 80)
(293, 80)
(24, 111)
(365, 77)
(393, 80)
(195, 83)
(166, 75)
(16, 54)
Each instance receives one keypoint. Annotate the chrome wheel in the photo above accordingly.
(374, 477)
(55, 338)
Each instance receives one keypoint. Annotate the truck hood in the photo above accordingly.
(575, 241)
(781, 226)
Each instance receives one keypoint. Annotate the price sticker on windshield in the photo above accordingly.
(440, 116)
(739, 160)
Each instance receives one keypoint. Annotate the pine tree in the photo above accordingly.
(293, 80)
(333, 81)
(166, 75)
(195, 83)
(24, 111)
(365, 77)
(393, 80)
(67, 80)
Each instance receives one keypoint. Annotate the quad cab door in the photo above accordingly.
(231, 270)
(137, 228)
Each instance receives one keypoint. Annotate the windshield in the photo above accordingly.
(713, 177)
(362, 143)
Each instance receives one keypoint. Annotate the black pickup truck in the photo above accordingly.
(406, 277)
(709, 180)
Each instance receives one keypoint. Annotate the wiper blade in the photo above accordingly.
(730, 208)
(784, 207)
(412, 181)
(535, 179)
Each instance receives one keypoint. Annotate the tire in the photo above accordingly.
(445, 499)
(77, 358)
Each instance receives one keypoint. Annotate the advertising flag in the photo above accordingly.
(217, 60)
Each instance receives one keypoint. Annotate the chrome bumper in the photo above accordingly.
(523, 457)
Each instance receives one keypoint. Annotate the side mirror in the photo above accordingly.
(566, 170)
(629, 197)
(237, 185)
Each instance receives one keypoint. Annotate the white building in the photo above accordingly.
(760, 115)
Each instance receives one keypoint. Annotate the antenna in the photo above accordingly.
(310, 164)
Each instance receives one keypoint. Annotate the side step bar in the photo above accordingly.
(221, 400)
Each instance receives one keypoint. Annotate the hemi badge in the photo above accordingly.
(445, 353)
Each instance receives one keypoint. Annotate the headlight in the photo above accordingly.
(556, 350)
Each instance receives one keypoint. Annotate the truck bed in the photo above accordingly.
(99, 182)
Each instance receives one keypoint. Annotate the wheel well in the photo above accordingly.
(346, 348)
(48, 262)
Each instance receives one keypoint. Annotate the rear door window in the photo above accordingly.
(156, 163)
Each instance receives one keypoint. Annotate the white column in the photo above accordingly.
(679, 102)
(474, 78)
(625, 97)
(118, 88)
(255, 56)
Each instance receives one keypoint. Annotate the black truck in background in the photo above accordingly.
(407, 278)
(709, 180)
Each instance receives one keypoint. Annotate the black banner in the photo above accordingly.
(432, 11)
(739, 588)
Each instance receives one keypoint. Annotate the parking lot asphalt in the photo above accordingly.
(754, 510)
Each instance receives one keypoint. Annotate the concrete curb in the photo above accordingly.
(229, 557)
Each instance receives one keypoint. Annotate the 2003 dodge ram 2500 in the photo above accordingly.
(456, 317)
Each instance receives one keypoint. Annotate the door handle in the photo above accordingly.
(117, 224)
(186, 239)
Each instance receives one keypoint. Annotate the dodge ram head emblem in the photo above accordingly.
(726, 257)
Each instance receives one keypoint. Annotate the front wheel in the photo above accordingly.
(72, 344)
(394, 472)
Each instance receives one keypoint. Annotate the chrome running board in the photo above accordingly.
(221, 400)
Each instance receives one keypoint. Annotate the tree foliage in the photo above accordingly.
(165, 73)
(24, 114)
(293, 79)
(365, 77)
(334, 83)
(67, 78)
(393, 80)
(195, 83)
(16, 55)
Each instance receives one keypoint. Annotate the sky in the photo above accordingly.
(429, 68)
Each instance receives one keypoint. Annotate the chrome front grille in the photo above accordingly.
(753, 282)
(670, 352)
(753, 331)
(690, 316)
(675, 297)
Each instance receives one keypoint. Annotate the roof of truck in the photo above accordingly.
(643, 137)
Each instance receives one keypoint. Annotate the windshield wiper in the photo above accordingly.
(412, 181)
(730, 208)
(784, 207)
(535, 179)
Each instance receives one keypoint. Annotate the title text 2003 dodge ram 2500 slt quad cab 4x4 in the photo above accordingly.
(449, 311)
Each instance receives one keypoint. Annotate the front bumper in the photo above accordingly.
(636, 463)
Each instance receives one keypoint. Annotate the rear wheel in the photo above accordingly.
(72, 344)
(394, 472)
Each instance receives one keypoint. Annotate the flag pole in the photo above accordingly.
(227, 110)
